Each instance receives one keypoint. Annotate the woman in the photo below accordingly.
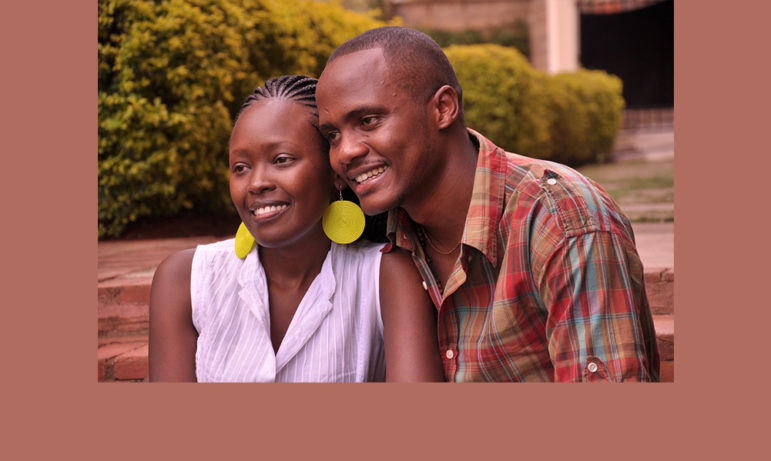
(297, 307)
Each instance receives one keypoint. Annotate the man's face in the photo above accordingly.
(379, 134)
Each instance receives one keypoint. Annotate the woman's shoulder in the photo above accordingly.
(175, 268)
(224, 247)
(220, 253)
(361, 252)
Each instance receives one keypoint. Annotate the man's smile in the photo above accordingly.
(369, 175)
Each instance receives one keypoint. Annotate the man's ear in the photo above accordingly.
(445, 103)
(339, 184)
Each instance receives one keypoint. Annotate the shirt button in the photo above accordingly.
(425, 287)
(551, 181)
(449, 354)
(592, 367)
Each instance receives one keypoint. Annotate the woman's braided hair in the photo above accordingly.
(298, 88)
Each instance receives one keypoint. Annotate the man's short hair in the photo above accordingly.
(414, 58)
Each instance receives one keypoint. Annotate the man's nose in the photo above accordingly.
(348, 150)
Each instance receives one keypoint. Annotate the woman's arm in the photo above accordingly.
(409, 321)
(172, 334)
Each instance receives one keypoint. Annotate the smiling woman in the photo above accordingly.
(296, 306)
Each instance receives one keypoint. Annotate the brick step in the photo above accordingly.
(123, 320)
(665, 338)
(137, 292)
(125, 358)
(660, 288)
(123, 309)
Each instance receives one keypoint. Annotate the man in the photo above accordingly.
(532, 267)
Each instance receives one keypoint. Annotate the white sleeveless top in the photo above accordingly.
(336, 334)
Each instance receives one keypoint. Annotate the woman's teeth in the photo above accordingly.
(267, 210)
(364, 177)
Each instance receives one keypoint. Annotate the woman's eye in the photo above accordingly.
(239, 168)
(283, 159)
(333, 136)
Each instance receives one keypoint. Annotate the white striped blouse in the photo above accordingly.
(336, 334)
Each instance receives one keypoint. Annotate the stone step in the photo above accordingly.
(123, 309)
(125, 358)
(660, 288)
(121, 320)
(665, 336)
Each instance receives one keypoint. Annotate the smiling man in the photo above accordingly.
(532, 267)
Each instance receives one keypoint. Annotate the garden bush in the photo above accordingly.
(586, 107)
(172, 75)
(571, 118)
(503, 96)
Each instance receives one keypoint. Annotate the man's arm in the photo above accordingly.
(599, 325)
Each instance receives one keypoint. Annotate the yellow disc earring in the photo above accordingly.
(244, 241)
(343, 221)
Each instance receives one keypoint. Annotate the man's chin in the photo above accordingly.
(375, 207)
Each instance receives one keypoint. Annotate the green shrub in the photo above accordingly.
(571, 118)
(587, 107)
(514, 35)
(172, 75)
(503, 96)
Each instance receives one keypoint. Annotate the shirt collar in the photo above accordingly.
(484, 210)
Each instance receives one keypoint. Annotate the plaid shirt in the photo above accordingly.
(548, 285)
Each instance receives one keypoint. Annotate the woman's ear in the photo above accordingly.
(445, 103)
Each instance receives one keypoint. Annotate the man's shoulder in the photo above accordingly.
(560, 194)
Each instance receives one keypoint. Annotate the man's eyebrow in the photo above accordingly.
(354, 114)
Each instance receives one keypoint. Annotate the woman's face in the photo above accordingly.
(280, 177)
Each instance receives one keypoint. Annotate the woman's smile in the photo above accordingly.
(268, 212)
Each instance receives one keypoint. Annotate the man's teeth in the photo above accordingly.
(268, 209)
(364, 177)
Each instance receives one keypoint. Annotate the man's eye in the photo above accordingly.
(239, 168)
(333, 136)
(368, 120)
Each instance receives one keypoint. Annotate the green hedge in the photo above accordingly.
(172, 74)
(587, 107)
(571, 118)
(502, 96)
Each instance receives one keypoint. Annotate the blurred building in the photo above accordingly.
(633, 39)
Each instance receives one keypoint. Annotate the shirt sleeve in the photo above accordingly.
(599, 326)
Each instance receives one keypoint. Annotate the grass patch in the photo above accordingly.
(642, 189)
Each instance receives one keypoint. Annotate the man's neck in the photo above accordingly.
(442, 213)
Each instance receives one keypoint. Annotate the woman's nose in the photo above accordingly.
(260, 181)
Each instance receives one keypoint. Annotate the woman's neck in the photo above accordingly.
(296, 264)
